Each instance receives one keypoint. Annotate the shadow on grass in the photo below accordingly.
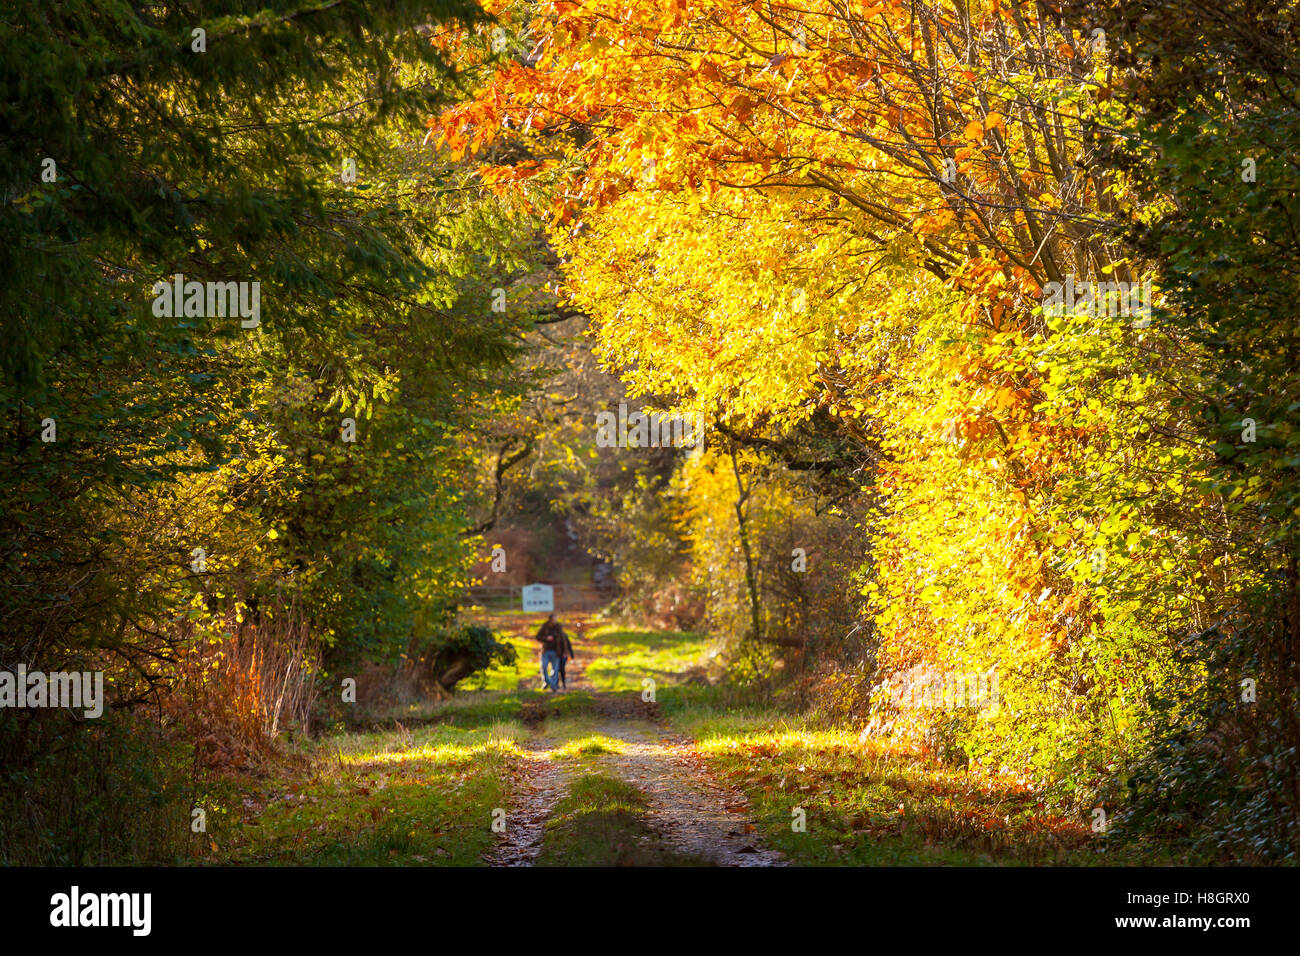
(603, 822)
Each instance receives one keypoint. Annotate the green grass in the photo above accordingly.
(499, 678)
(619, 659)
(589, 745)
(870, 804)
(477, 708)
(421, 798)
(694, 707)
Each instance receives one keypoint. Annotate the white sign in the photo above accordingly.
(539, 597)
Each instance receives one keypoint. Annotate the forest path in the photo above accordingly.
(618, 787)
(687, 815)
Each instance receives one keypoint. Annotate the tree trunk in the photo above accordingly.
(459, 668)
(751, 575)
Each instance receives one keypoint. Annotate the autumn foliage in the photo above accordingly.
(782, 214)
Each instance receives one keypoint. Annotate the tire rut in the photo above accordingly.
(541, 785)
(692, 814)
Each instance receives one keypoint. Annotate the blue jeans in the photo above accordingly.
(551, 669)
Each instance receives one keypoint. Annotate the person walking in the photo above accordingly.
(564, 647)
(548, 635)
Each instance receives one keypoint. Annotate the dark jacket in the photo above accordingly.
(553, 638)
(550, 634)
